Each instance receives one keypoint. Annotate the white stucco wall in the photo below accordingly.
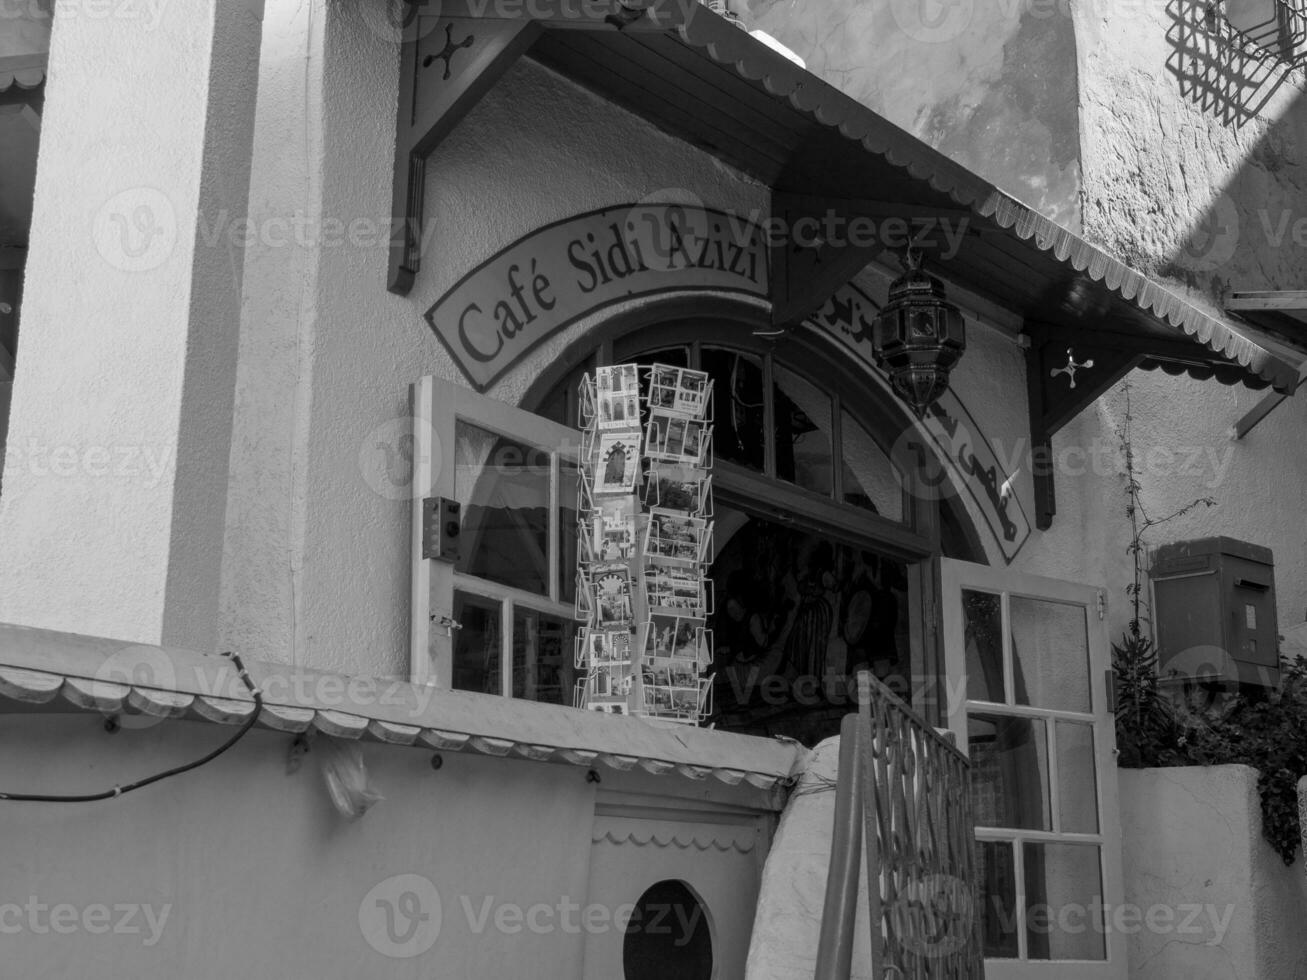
(116, 460)
(1223, 904)
(316, 562)
(249, 871)
(1191, 150)
(1172, 112)
(316, 569)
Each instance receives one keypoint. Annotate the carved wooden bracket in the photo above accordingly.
(450, 59)
(444, 72)
(1065, 372)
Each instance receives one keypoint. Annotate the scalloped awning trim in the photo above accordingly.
(112, 677)
(830, 107)
(23, 71)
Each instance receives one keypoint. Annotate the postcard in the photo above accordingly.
(612, 595)
(674, 537)
(619, 410)
(679, 487)
(609, 682)
(676, 438)
(666, 637)
(680, 391)
(617, 379)
(602, 647)
(618, 465)
(613, 529)
(675, 594)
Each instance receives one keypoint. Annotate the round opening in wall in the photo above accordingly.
(668, 936)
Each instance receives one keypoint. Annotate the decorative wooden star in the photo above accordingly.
(1071, 367)
(447, 53)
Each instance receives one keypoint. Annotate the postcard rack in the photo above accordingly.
(645, 543)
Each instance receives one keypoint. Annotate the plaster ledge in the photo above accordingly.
(43, 667)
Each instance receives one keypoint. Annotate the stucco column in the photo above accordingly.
(115, 481)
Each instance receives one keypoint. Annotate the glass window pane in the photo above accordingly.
(1064, 902)
(796, 615)
(1050, 654)
(561, 404)
(997, 874)
(982, 618)
(504, 489)
(871, 481)
(543, 659)
(803, 432)
(1009, 771)
(1077, 782)
(738, 430)
(478, 645)
(675, 356)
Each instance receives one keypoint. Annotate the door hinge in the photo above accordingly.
(1101, 602)
(1111, 690)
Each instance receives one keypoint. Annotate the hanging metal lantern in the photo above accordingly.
(918, 336)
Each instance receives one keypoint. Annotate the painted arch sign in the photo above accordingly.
(563, 272)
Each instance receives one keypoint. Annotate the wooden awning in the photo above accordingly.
(702, 79)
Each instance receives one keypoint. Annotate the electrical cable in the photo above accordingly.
(176, 771)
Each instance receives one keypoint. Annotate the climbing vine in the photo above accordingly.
(1156, 727)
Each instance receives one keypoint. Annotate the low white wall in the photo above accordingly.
(787, 928)
(1215, 901)
(239, 869)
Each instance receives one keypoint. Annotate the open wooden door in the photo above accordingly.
(1027, 693)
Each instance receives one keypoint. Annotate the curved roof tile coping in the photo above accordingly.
(111, 677)
(24, 71)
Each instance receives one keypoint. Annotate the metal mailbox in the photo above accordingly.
(1214, 612)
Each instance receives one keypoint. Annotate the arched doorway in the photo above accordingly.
(826, 542)
(668, 935)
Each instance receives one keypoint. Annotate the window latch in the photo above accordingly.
(448, 622)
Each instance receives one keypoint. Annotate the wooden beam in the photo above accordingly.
(1268, 403)
(23, 111)
(1274, 299)
(581, 15)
